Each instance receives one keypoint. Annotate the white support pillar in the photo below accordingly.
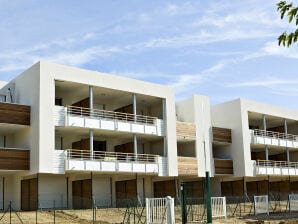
(265, 128)
(134, 106)
(164, 117)
(264, 122)
(91, 137)
(91, 97)
(286, 133)
(135, 144)
(91, 132)
(134, 109)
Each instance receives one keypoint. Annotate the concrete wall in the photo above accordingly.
(52, 188)
(197, 110)
(229, 115)
(102, 190)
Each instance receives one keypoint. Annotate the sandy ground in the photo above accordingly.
(114, 215)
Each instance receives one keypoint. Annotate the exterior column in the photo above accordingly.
(266, 152)
(286, 133)
(164, 117)
(134, 109)
(91, 133)
(135, 144)
(264, 128)
(91, 97)
(134, 106)
(264, 122)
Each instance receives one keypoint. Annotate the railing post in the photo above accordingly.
(183, 205)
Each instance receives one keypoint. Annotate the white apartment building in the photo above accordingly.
(72, 136)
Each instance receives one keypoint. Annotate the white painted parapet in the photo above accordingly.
(108, 120)
(273, 138)
(269, 167)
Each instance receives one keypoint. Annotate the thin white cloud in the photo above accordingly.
(275, 85)
(265, 82)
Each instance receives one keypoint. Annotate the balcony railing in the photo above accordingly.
(82, 160)
(111, 115)
(14, 159)
(271, 167)
(272, 134)
(273, 138)
(109, 156)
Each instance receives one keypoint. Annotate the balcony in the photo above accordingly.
(185, 131)
(108, 120)
(14, 159)
(223, 166)
(271, 167)
(263, 137)
(14, 114)
(107, 162)
(222, 135)
(187, 166)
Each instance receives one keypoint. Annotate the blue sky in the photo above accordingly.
(223, 49)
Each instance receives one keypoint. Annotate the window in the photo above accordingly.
(58, 102)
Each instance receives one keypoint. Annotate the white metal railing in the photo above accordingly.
(273, 134)
(104, 114)
(160, 210)
(110, 156)
(219, 207)
(276, 164)
(20, 149)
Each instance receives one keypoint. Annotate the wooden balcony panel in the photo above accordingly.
(223, 166)
(14, 114)
(187, 166)
(222, 135)
(14, 159)
(185, 131)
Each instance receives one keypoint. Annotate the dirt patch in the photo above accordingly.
(115, 215)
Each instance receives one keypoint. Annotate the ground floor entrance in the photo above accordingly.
(82, 194)
(29, 194)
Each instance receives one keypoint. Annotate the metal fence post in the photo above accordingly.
(208, 198)
(54, 212)
(10, 212)
(183, 203)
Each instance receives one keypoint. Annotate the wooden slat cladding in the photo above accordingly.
(187, 166)
(14, 114)
(222, 135)
(185, 131)
(14, 159)
(223, 166)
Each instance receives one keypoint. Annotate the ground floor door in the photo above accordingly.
(29, 194)
(232, 188)
(195, 189)
(164, 188)
(126, 192)
(257, 187)
(82, 194)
